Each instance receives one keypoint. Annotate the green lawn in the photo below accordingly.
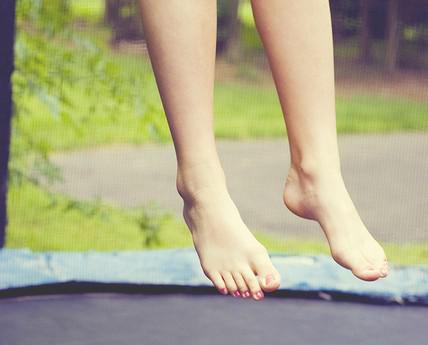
(39, 221)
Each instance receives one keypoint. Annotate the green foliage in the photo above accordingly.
(150, 222)
(62, 82)
(250, 39)
(245, 14)
(51, 59)
(50, 16)
(92, 11)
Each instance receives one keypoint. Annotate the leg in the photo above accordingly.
(181, 37)
(297, 36)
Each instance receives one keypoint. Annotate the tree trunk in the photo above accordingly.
(7, 38)
(393, 36)
(365, 39)
(232, 49)
(124, 27)
(111, 11)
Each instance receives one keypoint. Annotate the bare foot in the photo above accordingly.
(230, 255)
(322, 196)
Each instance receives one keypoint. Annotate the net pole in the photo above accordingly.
(7, 38)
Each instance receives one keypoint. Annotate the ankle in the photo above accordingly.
(312, 176)
(195, 180)
(313, 172)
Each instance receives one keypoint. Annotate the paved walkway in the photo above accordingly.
(387, 176)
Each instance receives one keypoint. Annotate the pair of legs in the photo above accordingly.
(297, 36)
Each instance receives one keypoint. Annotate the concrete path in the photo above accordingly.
(387, 176)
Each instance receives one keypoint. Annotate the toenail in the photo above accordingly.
(259, 295)
(236, 294)
(269, 279)
(223, 291)
(246, 294)
(384, 270)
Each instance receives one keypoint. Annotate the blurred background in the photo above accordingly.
(92, 166)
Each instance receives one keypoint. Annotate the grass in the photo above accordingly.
(242, 110)
(68, 225)
(399, 254)
(258, 114)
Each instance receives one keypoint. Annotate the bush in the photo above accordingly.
(51, 58)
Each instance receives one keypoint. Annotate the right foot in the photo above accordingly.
(322, 196)
(230, 256)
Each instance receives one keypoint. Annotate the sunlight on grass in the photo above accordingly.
(363, 113)
(43, 222)
(399, 254)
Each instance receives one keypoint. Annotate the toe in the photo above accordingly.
(367, 274)
(230, 284)
(242, 286)
(376, 265)
(372, 272)
(361, 264)
(384, 271)
(269, 278)
(270, 281)
(252, 283)
(218, 282)
(365, 270)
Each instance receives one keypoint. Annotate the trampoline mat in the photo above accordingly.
(145, 319)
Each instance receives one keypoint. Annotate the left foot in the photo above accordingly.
(323, 197)
(230, 255)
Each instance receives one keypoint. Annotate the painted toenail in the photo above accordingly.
(246, 294)
(269, 279)
(259, 295)
(223, 291)
(236, 294)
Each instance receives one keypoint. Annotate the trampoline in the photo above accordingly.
(164, 298)
(175, 318)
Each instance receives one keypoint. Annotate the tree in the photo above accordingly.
(393, 35)
(111, 11)
(388, 26)
(365, 39)
(7, 37)
(123, 17)
(232, 46)
(228, 29)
